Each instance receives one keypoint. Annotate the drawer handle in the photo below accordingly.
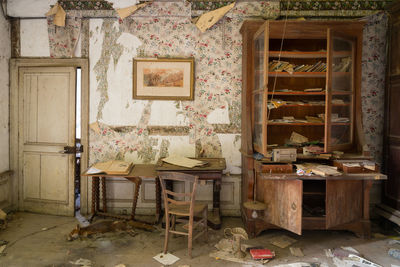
(294, 206)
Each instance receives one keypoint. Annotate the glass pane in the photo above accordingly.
(259, 62)
(257, 135)
(342, 90)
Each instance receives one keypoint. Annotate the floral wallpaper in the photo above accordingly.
(373, 81)
(63, 40)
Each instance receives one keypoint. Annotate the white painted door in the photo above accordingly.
(46, 126)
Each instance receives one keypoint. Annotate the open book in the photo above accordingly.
(116, 167)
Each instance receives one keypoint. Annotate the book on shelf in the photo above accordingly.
(111, 167)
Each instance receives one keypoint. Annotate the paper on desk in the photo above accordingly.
(127, 11)
(59, 15)
(183, 161)
(207, 20)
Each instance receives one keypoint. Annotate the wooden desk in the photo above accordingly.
(211, 171)
(138, 172)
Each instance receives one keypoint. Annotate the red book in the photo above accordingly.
(263, 253)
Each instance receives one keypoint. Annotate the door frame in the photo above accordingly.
(15, 65)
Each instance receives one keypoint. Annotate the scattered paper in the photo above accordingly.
(59, 15)
(183, 161)
(282, 241)
(207, 20)
(82, 262)
(166, 259)
(298, 252)
(127, 11)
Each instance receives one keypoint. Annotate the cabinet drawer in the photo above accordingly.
(273, 168)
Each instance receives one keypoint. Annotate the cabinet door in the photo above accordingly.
(343, 201)
(340, 100)
(284, 200)
(260, 63)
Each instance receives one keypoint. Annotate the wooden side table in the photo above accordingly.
(210, 171)
(138, 172)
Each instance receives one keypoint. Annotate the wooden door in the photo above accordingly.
(344, 201)
(284, 200)
(46, 115)
(341, 91)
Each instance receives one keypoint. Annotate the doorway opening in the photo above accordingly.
(78, 144)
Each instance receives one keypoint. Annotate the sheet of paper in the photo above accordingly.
(298, 138)
(282, 241)
(127, 11)
(183, 161)
(166, 259)
(59, 15)
(207, 20)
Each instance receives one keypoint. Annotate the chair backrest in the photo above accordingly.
(169, 195)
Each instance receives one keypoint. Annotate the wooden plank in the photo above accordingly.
(285, 212)
(344, 200)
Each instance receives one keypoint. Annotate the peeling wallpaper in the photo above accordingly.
(165, 30)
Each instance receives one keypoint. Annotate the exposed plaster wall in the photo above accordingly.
(5, 54)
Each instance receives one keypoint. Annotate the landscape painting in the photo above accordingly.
(163, 79)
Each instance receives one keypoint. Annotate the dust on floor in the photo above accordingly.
(41, 240)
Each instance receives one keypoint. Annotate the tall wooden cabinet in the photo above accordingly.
(302, 77)
(392, 129)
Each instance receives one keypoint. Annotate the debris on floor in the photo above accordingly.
(2, 248)
(166, 259)
(348, 257)
(282, 241)
(99, 228)
(82, 262)
(298, 252)
(395, 253)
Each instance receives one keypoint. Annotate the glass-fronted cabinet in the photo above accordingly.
(305, 85)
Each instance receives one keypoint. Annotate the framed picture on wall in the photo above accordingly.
(163, 78)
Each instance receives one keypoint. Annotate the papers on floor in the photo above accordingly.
(282, 241)
(166, 259)
(183, 161)
(116, 167)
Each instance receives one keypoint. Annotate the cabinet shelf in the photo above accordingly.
(296, 93)
(298, 74)
(297, 54)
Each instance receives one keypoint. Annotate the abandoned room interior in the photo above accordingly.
(199, 133)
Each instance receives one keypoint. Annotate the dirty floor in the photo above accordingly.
(41, 240)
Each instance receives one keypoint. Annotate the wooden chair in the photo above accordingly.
(181, 207)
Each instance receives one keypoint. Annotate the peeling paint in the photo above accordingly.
(110, 48)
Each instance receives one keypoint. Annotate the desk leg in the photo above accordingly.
(215, 218)
(137, 182)
(104, 193)
(158, 200)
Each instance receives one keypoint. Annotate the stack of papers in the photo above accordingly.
(184, 161)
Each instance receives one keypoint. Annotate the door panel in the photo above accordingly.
(343, 201)
(284, 200)
(47, 124)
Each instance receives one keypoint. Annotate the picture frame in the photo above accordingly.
(163, 78)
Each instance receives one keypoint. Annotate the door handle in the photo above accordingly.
(69, 150)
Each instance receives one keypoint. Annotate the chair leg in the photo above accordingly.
(173, 220)
(205, 216)
(166, 233)
(190, 237)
